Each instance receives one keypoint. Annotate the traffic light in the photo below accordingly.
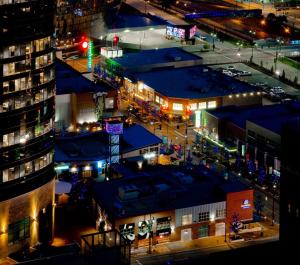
(115, 40)
(84, 44)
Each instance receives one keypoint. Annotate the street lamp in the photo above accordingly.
(253, 33)
(273, 204)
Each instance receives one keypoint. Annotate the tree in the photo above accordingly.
(296, 80)
(272, 70)
(235, 224)
(261, 64)
(283, 74)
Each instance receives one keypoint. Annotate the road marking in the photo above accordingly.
(138, 262)
(178, 133)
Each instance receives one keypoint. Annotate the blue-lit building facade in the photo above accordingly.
(27, 90)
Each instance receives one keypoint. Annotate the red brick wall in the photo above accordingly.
(235, 205)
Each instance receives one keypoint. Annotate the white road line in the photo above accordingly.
(138, 262)
(178, 133)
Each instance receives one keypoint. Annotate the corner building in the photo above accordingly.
(27, 90)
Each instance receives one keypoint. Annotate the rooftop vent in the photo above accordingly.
(128, 192)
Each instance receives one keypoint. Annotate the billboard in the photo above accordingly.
(114, 128)
(183, 32)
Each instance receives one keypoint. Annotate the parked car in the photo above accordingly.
(230, 67)
(244, 73)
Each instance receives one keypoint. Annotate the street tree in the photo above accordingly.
(236, 225)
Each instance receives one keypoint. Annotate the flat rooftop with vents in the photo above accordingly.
(161, 189)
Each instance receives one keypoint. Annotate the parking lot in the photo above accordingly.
(268, 84)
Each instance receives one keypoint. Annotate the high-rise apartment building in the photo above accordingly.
(27, 90)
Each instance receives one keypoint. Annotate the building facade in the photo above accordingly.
(289, 185)
(27, 89)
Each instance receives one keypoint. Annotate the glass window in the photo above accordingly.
(220, 213)
(212, 104)
(19, 230)
(177, 106)
(163, 226)
(203, 231)
(193, 106)
(5, 175)
(28, 168)
(202, 105)
(204, 216)
(157, 99)
(187, 219)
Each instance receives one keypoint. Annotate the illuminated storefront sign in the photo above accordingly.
(90, 55)
(114, 128)
(295, 42)
(246, 204)
(198, 118)
(193, 31)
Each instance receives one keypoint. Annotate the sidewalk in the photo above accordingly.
(213, 242)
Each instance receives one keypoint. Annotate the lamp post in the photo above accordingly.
(253, 33)
(273, 204)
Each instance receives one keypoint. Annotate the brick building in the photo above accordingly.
(167, 204)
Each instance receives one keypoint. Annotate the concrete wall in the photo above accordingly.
(63, 110)
(194, 211)
(247, 99)
(137, 152)
(14, 210)
(269, 135)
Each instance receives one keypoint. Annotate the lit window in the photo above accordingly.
(220, 213)
(177, 106)
(202, 105)
(157, 99)
(186, 219)
(212, 104)
(19, 231)
(193, 106)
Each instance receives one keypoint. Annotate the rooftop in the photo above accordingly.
(271, 117)
(68, 80)
(131, 21)
(192, 82)
(155, 56)
(92, 146)
(162, 188)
